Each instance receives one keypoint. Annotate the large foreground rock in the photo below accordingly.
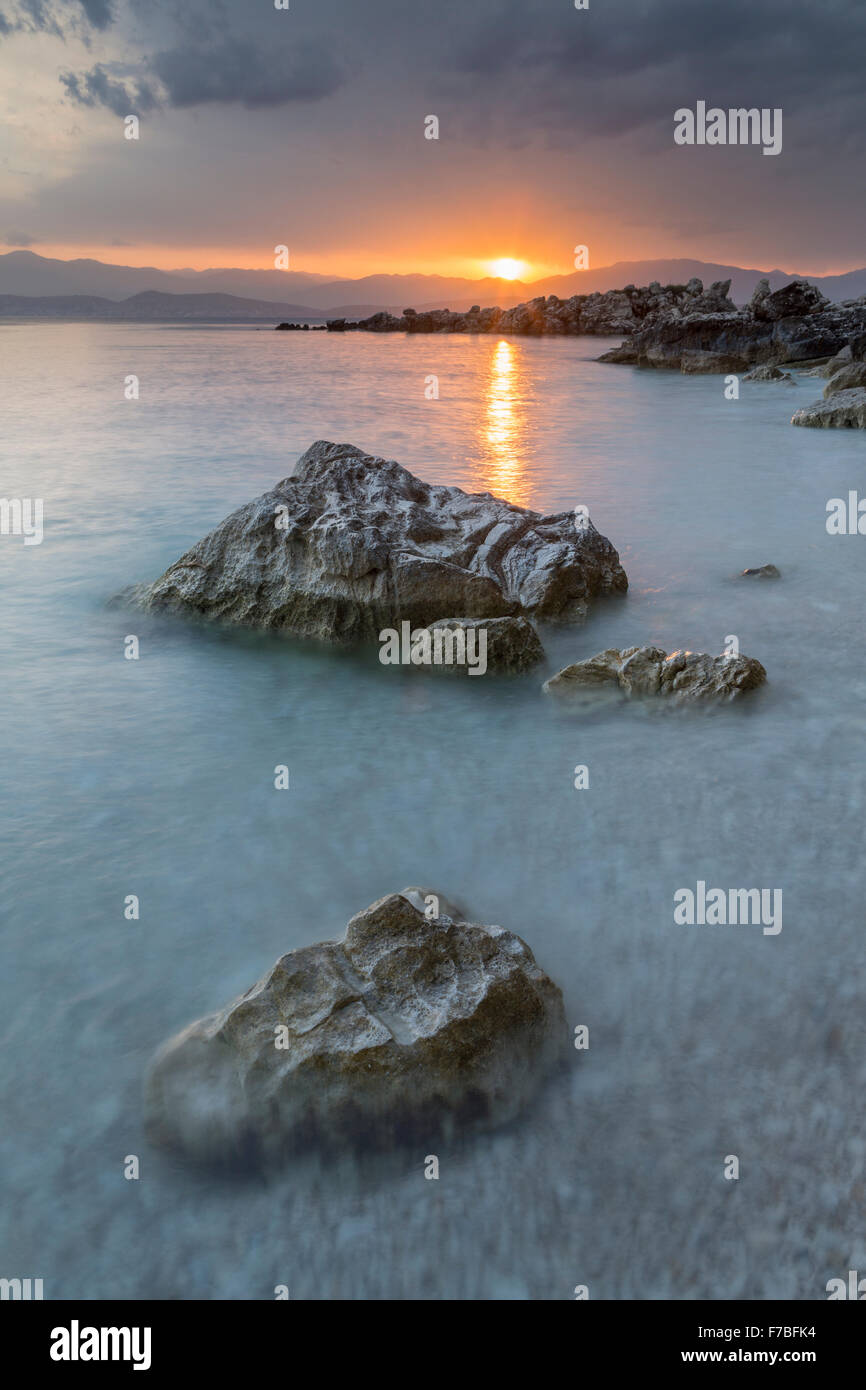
(842, 410)
(407, 1028)
(351, 544)
(682, 677)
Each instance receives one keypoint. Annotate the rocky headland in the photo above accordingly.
(792, 325)
(609, 314)
(417, 1023)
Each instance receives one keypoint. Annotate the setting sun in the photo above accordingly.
(507, 269)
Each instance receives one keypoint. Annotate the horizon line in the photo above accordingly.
(427, 274)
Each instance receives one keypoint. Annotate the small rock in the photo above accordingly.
(511, 645)
(684, 677)
(415, 1024)
(762, 572)
(767, 372)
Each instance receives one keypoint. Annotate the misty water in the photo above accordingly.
(155, 778)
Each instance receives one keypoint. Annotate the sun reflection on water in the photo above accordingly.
(503, 433)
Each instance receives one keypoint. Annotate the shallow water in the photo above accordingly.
(155, 777)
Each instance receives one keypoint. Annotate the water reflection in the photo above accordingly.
(503, 433)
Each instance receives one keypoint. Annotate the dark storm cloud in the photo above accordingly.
(237, 70)
(555, 60)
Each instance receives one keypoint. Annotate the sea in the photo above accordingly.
(153, 779)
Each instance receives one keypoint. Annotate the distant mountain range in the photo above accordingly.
(37, 286)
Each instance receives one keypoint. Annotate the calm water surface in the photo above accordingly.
(156, 778)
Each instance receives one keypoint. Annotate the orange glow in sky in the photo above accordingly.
(341, 265)
(508, 269)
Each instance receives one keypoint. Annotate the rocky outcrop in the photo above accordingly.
(842, 410)
(351, 544)
(847, 378)
(682, 677)
(767, 373)
(613, 312)
(415, 1024)
(791, 325)
(510, 645)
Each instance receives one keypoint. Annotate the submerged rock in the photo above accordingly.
(761, 572)
(416, 1023)
(510, 646)
(351, 544)
(767, 372)
(683, 677)
(842, 410)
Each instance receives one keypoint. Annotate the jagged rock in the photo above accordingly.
(843, 410)
(762, 572)
(682, 677)
(767, 372)
(760, 293)
(614, 312)
(846, 378)
(795, 300)
(351, 544)
(511, 644)
(415, 1024)
(708, 333)
(833, 364)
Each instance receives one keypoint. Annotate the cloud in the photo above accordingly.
(99, 12)
(222, 68)
(237, 70)
(20, 239)
(48, 16)
(560, 67)
(97, 88)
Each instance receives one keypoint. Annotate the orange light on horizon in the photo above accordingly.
(506, 268)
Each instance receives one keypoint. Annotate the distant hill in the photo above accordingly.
(50, 287)
(153, 305)
(26, 273)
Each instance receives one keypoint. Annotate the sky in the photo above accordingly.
(305, 127)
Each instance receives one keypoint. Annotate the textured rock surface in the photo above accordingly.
(842, 410)
(793, 324)
(405, 1029)
(682, 677)
(611, 312)
(767, 372)
(847, 378)
(351, 544)
(513, 645)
